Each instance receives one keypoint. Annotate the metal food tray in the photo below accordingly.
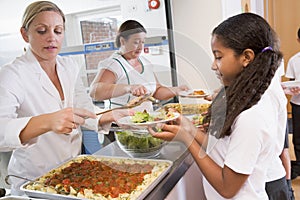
(15, 198)
(187, 109)
(151, 186)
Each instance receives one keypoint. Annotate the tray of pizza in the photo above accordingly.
(99, 177)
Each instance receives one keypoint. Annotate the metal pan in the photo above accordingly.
(142, 195)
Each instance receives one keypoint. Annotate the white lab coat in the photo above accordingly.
(26, 91)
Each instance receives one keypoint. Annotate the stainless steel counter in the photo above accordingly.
(173, 151)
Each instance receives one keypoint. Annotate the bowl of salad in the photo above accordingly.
(138, 142)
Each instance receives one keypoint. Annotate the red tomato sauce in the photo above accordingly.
(105, 178)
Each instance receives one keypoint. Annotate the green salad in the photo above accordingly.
(136, 141)
(140, 117)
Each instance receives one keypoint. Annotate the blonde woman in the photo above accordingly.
(43, 101)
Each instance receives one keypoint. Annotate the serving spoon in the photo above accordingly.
(131, 104)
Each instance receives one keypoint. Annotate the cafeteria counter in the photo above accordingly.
(184, 180)
(174, 184)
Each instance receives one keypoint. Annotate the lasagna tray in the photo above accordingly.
(100, 178)
(188, 109)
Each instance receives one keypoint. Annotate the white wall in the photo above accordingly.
(11, 11)
(233, 7)
(156, 25)
(11, 42)
(153, 20)
(11, 45)
(193, 22)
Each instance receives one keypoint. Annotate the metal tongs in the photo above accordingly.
(133, 103)
(20, 177)
(58, 190)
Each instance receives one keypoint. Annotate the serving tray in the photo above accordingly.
(161, 168)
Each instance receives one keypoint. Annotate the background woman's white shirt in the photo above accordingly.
(126, 74)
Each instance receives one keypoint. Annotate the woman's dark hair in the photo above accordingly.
(240, 32)
(128, 28)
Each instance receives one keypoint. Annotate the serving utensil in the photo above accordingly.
(16, 176)
(133, 103)
(59, 190)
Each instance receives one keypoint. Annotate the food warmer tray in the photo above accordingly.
(46, 195)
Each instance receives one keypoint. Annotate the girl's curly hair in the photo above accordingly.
(240, 32)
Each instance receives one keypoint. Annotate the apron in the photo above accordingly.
(147, 79)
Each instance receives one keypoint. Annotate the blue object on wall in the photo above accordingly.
(104, 46)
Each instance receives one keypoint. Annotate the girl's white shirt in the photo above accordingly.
(253, 145)
(276, 169)
(26, 91)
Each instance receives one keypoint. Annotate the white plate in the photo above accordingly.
(189, 93)
(290, 84)
(126, 121)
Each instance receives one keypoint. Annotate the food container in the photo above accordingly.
(14, 198)
(138, 142)
(188, 109)
(72, 182)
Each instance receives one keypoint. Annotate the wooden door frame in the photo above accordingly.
(275, 12)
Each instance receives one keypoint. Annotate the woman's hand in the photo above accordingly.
(180, 89)
(61, 122)
(65, 120)
(212, 96)
(117, 114)
(295, 90)
(291, 90)
(114, 116)
(183, 88)
(138, 90)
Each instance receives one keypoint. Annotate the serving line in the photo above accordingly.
(173, 151)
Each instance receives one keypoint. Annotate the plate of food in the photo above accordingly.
(195, 93)
(144, 118)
